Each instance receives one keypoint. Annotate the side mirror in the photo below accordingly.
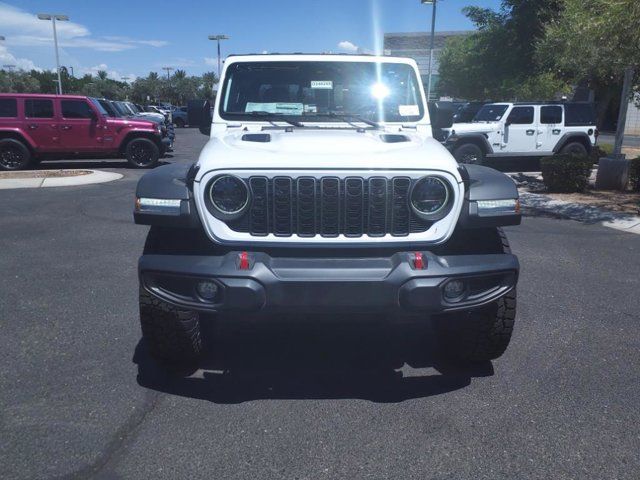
(205, 119)
(441, 114)
(507, 123)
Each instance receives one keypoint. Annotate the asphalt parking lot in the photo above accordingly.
(80, 399)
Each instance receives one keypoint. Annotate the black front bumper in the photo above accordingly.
(316, 285)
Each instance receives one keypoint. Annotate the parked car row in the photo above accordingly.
(119, 109)
(35, 127)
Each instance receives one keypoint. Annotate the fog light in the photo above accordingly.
(454, 290)
(207, 290)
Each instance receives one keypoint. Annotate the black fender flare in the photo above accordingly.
(456, 139)
(144, 134)
(170, 182)
(487, 184)
(581, 137)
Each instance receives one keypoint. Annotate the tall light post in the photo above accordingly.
(61, 18)
(168, 69)
(217, 38)
(433, 34)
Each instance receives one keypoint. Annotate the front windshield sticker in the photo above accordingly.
(408, 110)
(282, 108)
(322, 84)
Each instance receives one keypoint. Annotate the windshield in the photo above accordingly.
(132, 107)
(322, 91)
(490, 113)
(124, 108)
(96, 103)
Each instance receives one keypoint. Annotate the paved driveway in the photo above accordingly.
(79, 397)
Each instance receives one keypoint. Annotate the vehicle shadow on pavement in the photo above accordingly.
(313, 363)
(90, 164)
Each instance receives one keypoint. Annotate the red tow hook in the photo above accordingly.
(419, 262)
(243, 261)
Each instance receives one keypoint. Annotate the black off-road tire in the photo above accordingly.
(173, 335)
(142, 153)
(484, 334)
(14, 155)
(469, 153)
(574, 148)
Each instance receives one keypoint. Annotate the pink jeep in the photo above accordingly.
(34, 127)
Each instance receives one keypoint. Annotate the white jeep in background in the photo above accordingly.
(523, 129)
(322, 196)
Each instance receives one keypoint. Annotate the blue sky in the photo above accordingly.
(131, 38)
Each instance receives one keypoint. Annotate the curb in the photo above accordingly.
(96, 176)
(540, 204)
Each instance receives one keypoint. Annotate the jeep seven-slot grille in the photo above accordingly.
(329, 206)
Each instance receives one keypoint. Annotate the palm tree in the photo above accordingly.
(102, 75)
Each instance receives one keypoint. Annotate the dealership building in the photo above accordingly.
(416, 45)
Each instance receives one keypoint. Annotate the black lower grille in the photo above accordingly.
(329, 206)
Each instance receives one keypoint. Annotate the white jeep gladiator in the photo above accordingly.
(322, 192)
(523, 129)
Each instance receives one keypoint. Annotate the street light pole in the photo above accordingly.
(218, 38)
(61, 18)
(433, 33)
(168, 69)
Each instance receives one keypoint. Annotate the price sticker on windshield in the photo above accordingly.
(322, 84)
(408, 110)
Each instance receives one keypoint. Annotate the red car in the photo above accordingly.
(34, 127)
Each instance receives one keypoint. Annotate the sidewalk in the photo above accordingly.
(625, 216)
(54, 178)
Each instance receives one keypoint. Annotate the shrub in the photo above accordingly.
(604, 149)
(634, 174)
(566, 173)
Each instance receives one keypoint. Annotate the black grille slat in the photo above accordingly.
(258, 216)
(306, 214)
(330, 206)
(354, 207)
(377, 206)
(400, 213)
(282, 206)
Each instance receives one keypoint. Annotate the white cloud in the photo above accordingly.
(6, 58)
(24, 29)
(111, 73)
(348, 47)
(212, 62)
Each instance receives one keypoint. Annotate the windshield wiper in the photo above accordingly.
(269, 117)
(349, 118)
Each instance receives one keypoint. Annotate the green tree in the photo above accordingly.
(594, 41)
(498, 61)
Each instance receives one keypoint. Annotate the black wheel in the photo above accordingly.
(142, 153)
(574, 148)
(469, 153)
(172, 334)
(179, 122)
(484, 334)
(14, 155)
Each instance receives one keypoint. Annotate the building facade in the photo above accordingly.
(416, 45)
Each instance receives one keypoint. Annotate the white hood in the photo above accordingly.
(314, 148)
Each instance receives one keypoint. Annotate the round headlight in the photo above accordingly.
(430, 197)
(229, 195)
